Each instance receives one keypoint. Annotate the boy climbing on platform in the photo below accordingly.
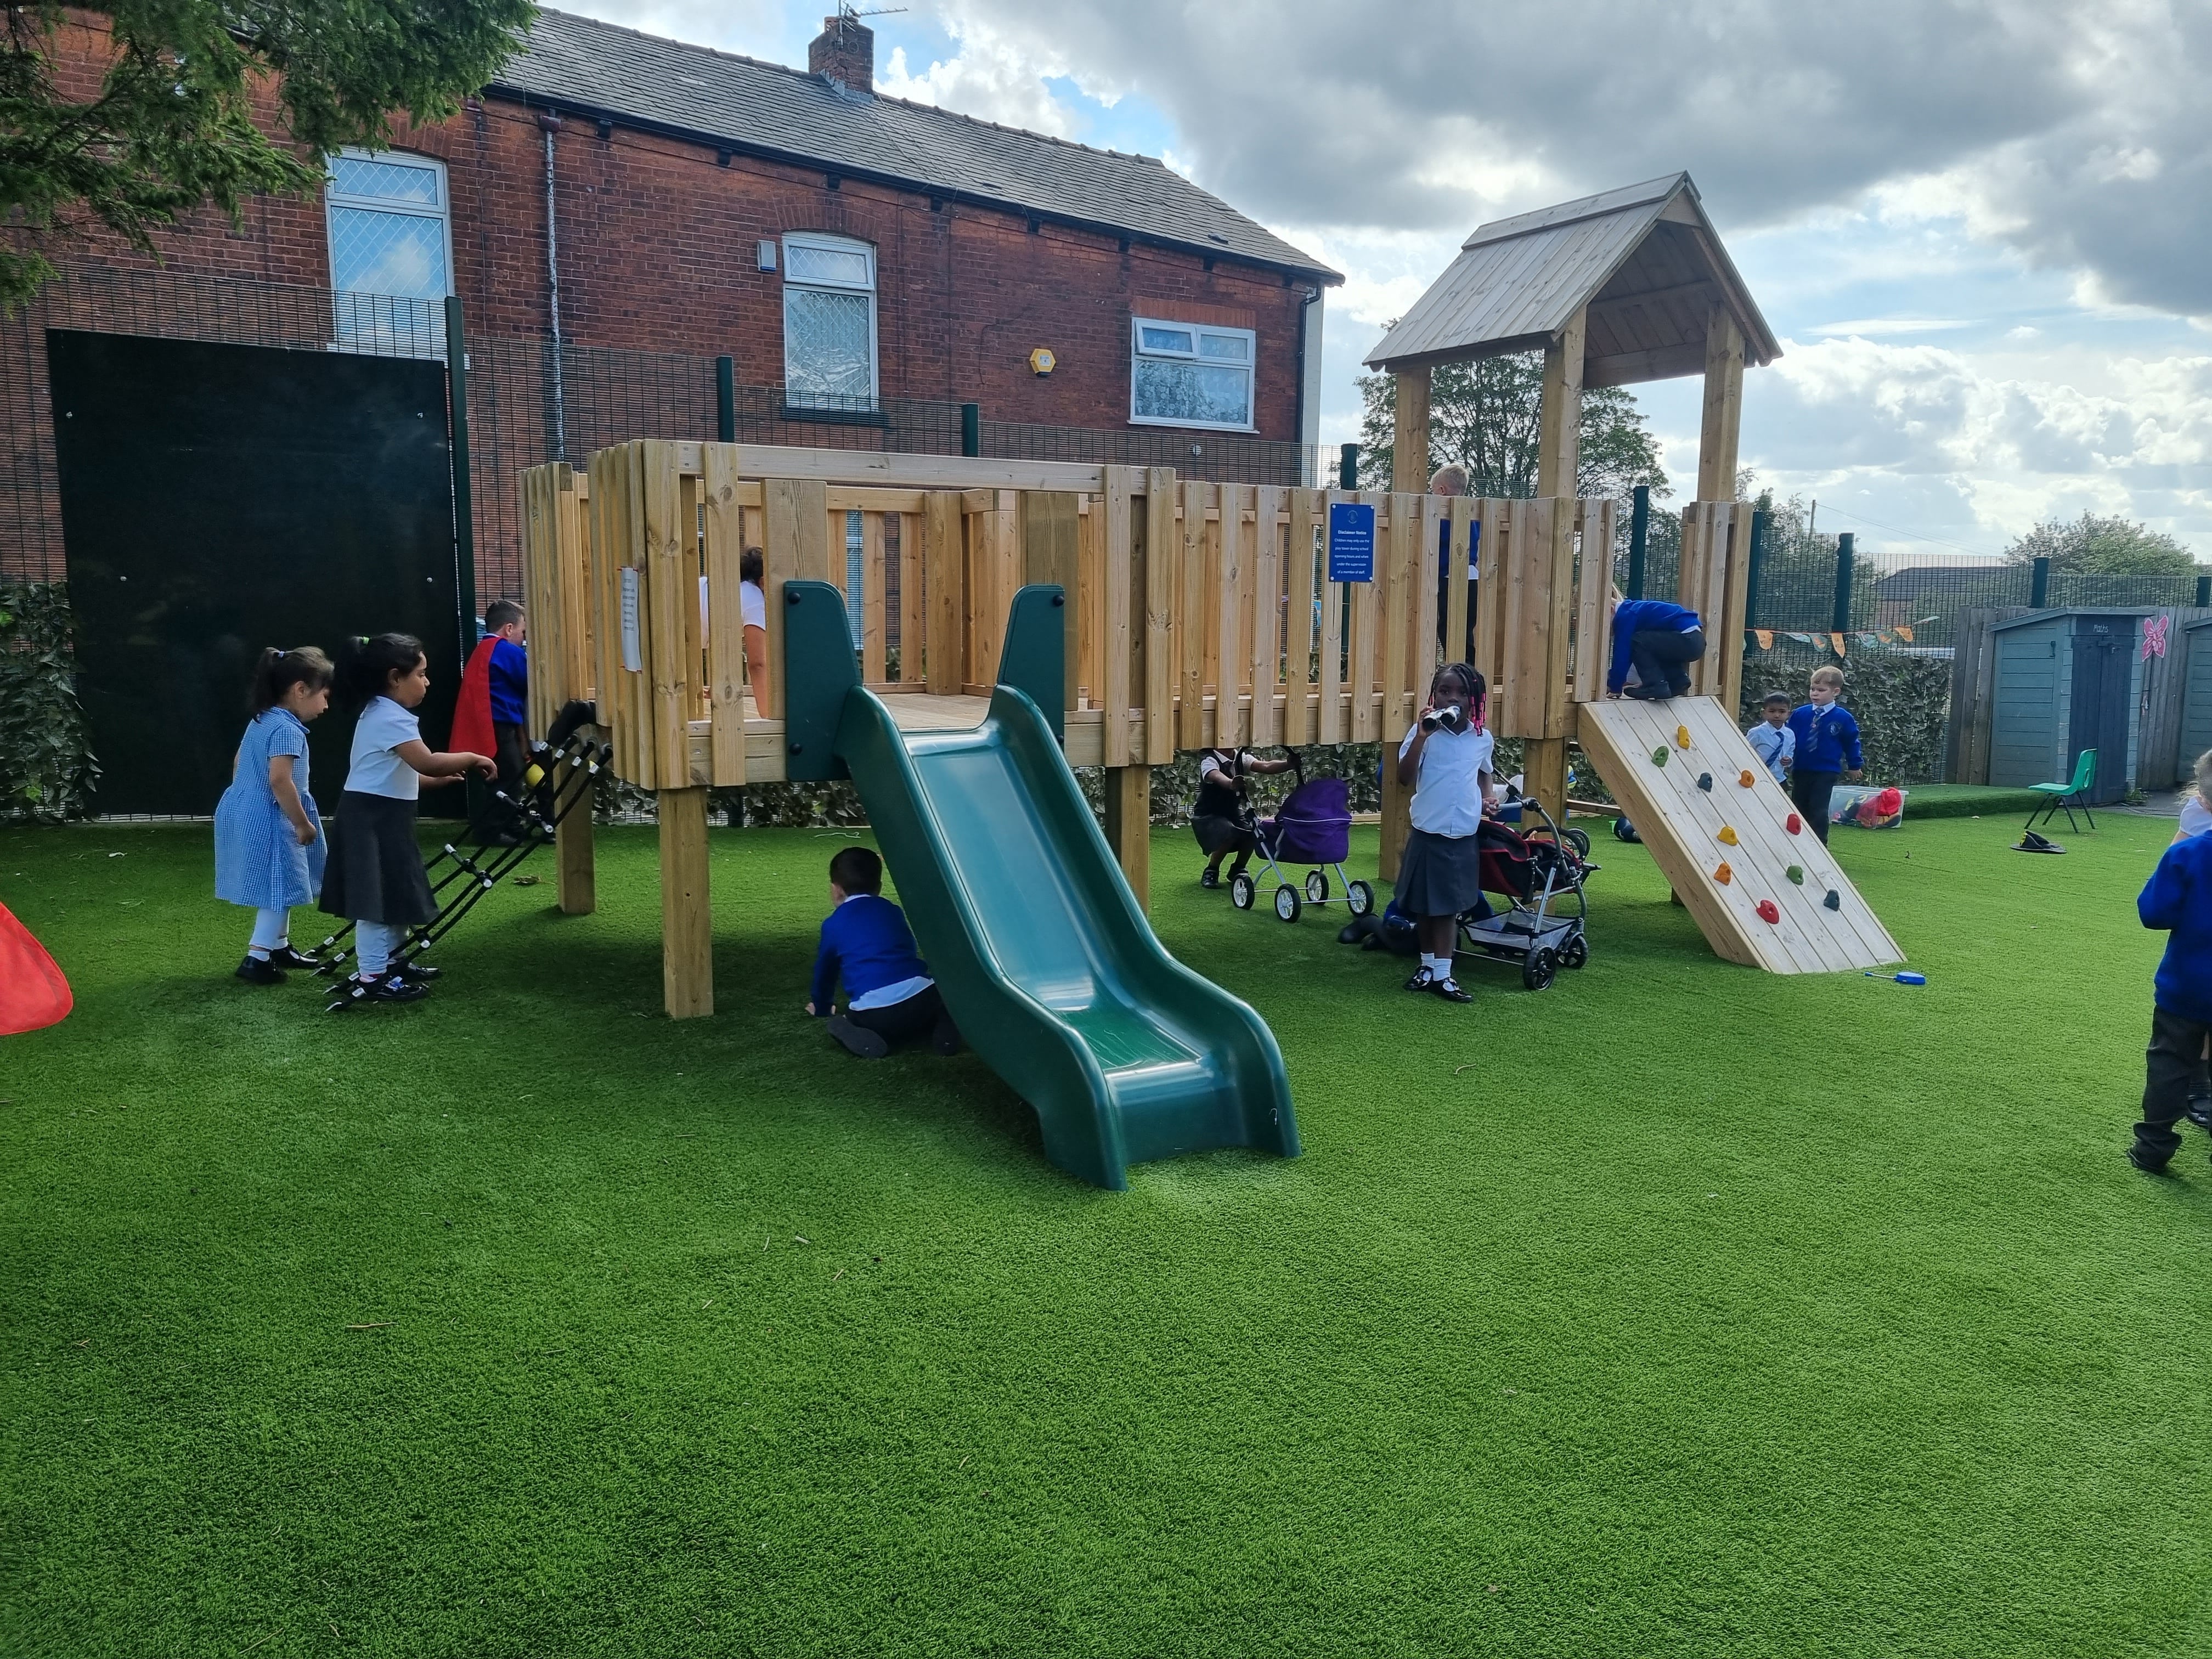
(1662, 640)
(1828, 739)
(889, 997)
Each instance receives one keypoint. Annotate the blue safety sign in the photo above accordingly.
(1351, 542)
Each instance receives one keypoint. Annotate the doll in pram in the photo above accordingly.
(1312, 827)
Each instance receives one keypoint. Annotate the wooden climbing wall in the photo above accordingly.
(1683, 825)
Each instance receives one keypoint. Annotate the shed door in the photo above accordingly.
(2101, 705)
(2196, 702)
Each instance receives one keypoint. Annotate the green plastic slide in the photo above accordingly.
(1038, 945)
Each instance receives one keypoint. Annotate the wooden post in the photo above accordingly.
(1129, 827)
(1559, 417)
(572, 851)
(1558, 454)
(687, 956)
(1723, 413)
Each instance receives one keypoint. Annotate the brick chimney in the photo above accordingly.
(844, 54)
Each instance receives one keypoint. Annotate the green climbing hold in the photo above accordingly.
(1797, 873)
(1834, 901)
(1659, 755)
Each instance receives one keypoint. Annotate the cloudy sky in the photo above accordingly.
(1983, 230)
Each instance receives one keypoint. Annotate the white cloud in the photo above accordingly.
(989, 78)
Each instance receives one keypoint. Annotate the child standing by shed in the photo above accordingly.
(269, 845)
(376, 878)
(1828, 741)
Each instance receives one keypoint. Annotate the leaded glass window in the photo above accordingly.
(829, 323)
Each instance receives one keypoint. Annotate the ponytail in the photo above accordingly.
(278, 671)
(368, 665)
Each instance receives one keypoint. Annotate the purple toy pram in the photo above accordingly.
(1313, 826)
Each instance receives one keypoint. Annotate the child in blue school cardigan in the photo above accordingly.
(269, 845)
(889, 997)
(1827, 743)
(2178, 901)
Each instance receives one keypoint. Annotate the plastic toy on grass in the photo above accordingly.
(1902, 979)
(34, 993)
(1538, 870)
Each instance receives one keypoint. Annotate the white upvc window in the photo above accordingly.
(828, 323)
(391, 233)
(1190, 374)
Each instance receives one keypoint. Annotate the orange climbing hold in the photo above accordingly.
(1728, 835)
(1724, 875)
(1747, 777)
(1768, 912)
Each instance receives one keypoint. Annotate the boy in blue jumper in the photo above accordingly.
(2178, 899)
(1828, 741)
(1662, 640)
(889, 994)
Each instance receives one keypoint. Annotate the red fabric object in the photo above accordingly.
(1888, 804)
(472, 733)
(32, 992)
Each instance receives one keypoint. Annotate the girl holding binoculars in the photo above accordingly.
(1446, 757)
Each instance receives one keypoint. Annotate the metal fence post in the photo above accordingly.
(726, 399)
(1761, 522)
(465, 509)
(1348, 467)
(2039, 591)
(1841, 622)
(971, 428)
(2204, 592)
(1639, 539)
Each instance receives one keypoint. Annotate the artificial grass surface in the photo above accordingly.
(1679, 1309)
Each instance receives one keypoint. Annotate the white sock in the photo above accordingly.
(272, 932)
(1440, 967)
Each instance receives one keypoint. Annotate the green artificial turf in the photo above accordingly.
(1677, 1309)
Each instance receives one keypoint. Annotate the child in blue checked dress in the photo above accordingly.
(269, 845)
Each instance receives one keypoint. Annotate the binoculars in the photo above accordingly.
(1451, 717)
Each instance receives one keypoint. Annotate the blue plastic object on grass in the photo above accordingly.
(1902, 979)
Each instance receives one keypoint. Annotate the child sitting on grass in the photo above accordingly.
(1772, 740)
(2178, 900)
(889, 997)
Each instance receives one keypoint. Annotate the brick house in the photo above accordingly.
(612, 189)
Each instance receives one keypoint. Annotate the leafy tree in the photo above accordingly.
(2092, 545)
(170, 125)
(1483, 415)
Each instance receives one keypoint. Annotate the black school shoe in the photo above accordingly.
(285, 956)
(259, 970)
(946, 1038)
(858, 1039)
(2199, 1112)
(1211, 879)
(422, 972)
(2148, 1163)
(387, 988)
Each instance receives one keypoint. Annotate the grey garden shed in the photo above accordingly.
(2065, 681)
(2196, 720)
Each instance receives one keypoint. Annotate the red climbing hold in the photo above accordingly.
(1768, 912)
(1792, 823)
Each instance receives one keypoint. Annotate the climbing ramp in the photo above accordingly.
(1721, 831)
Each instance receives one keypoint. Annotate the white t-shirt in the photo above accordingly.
(377, 768)
(1447, 795)
(752, 605)
(2195, 818)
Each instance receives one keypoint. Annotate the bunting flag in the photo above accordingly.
(2155, 637)
(1904, 632)
(1837, 641)
(1802, 639)
(1765, 638)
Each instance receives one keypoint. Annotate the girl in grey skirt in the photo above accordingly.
(1446, 757)
(375, 877)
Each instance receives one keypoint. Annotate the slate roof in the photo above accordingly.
(588, 67)
(1643, 258)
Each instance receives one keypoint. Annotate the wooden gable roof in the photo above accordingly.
(1644, 259)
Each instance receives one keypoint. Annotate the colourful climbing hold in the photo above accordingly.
(1792, 823)
(1747, 777)
(1834, 901)
(1796, 874)
(1727, 834)
(1659, 755)
(1724, 875)
(1681, 737)
(1768, 912)
(1706, 781)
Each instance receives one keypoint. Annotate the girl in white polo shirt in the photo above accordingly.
(1446, 759)
(375, 879)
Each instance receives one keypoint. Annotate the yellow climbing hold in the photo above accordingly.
(1681, 737)
(1723, 875)
(1728, 835)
